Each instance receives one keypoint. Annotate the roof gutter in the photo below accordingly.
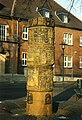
(62, 26)
(9, 17)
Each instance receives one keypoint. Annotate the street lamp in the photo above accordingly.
(63, 47)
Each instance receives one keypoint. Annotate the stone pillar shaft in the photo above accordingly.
(40, 59)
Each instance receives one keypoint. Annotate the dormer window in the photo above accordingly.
(44, 10)
(63, 16)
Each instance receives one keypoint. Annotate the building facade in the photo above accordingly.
(72, 53)
(14, 37)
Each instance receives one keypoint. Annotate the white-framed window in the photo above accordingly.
(3, 32)
(47, 14)
(24, 59)
(80, 40)
(25, 33)
(68, 39)
(65, 19)
(81, 62)
(67, 61)
(65, 38)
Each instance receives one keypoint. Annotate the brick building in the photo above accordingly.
(14, 16)
(11, 44)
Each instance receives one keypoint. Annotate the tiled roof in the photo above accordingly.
(27, 9)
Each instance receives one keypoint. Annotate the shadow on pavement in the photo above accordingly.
(63, 96)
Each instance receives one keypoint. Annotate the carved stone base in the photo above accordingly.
(39, 103)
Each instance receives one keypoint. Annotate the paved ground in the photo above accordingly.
(64, 104)
(12, 90)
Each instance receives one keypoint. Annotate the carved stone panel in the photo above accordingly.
(38, 55)
(41, 21)
(48, 99)
(40, 78)
(29, 98)
(41, 35)
(45, 78)
(33, 77)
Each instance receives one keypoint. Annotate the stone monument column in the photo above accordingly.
(40, 59)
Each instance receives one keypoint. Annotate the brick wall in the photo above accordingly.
(69, 50)
(11, 60)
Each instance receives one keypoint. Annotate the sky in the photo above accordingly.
(76, 8)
